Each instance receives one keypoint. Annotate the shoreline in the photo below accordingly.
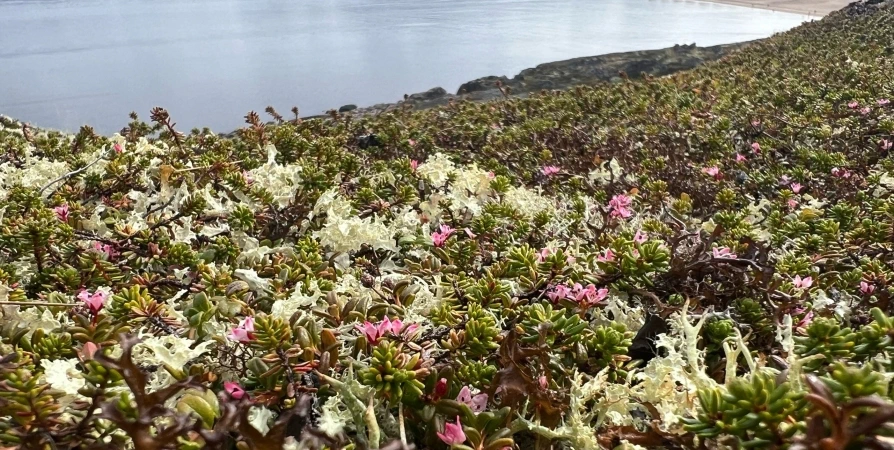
(558, 75)
(813, 8)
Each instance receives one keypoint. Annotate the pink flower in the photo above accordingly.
(756, 148)
(802, 283)
(118, 148)
(440, 389)
(841, 173)
(867, 288)
(865, 111)
(477, 402)
(886, 144)
(804, 321)
(792, 203)
(853, 104)
(244, 331)
(491, 175)
(414, 164)
(549, 170)
(61, 213)
(713, 171)
(543, 254)
(453, 433)
(618, 206)
(88, 351)
(105, 248)
(740, 157)
(371, 331)
(440, 237)
(882, 101)
(234, 389)
(412, 143)
(723, 252)
(559, 292)
(588, 295)
(640, 237)
(756, 123)
(93, 301)
(544, 383)
(386, 326)
(784, 180)
(470, 234)
(608, 256)
(247, 177)
(796, 187)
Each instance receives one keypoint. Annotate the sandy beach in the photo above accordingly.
(816, 8)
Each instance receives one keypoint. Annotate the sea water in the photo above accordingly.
(65, 63)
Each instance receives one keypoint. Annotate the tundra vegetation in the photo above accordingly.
(694, 261)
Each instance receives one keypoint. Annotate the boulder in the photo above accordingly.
(482, 84)
(431, 94)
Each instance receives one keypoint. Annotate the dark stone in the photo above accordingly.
(347, 108)
(481, 84)
(368, 140)
(431, 94)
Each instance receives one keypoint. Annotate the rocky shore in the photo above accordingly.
(562, 75)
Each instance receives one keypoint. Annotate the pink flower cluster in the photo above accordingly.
(796, 187)
(755, 148)
(802, 283)
(244, 332)
(853, 104)
(94, 301)
(607, 256)
(477, 402)
(586, 296)
(640, 237)
(234, 389)
(882, 101)
(713, 171)
(549, 170)
(886, 144)
(439, 238)
(105, 248)
(376, 331)
(867, 288)
(62, 212)
(841, 173)
(723, 252)
(453, 433)
(619, 206)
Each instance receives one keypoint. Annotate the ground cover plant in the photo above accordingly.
(698, 261)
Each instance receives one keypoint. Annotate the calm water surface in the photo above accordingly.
(65, 63)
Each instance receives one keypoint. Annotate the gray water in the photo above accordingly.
(66, 63)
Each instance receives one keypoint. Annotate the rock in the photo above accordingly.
(481, 84)
(560, 75)
(431, 94)
(368, 140)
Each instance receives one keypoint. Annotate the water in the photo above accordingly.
(65, 63)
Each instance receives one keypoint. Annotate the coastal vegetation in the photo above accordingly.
(694, 261)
